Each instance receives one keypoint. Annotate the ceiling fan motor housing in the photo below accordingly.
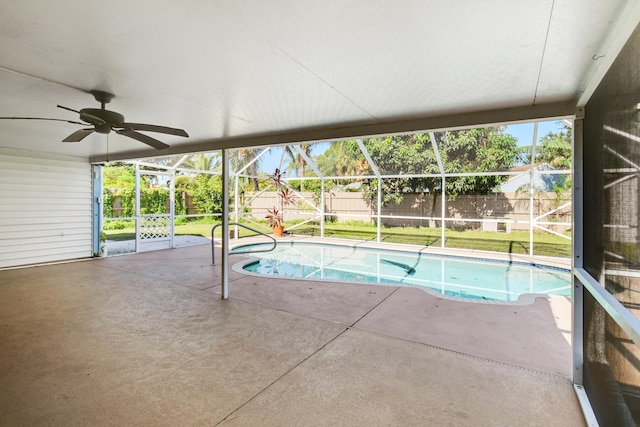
(103, 120)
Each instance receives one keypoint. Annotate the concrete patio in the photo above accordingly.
(145, 340)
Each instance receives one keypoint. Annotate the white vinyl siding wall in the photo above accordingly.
(45, 208)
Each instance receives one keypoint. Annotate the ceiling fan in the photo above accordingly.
(105, 121)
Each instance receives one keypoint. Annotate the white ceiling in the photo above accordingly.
(252, 71)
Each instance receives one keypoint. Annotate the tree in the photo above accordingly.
(118, 175)
(470, 151)
(207, 193)
(119, 181)
(204, 161)
(298, 162)
(342, 158)
(154, 200)
(477, 150)
(206, 189)
(555, 148)
(402, 154)
(240, 158)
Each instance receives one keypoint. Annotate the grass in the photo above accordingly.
(192, 229)
(195, 229)
(516, 242)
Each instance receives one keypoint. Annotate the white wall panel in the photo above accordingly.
(45, 208)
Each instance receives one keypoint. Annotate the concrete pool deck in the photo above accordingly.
(144, 339)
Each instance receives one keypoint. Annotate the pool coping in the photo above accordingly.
(523, 299)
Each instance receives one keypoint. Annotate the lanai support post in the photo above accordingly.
(322, 208)
(531, 189)
(443, 202)
(443, 209)
(577, 295)
(97, 209)
(172, 208)
(224, 291)
(236, 204)
(138, 241)
(379, 213)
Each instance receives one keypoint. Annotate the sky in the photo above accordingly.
(523, 132)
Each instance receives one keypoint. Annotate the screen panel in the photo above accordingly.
(611, 207)
(611, 368)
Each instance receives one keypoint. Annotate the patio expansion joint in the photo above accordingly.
(230, 416)
(465, 355)
(375, 306)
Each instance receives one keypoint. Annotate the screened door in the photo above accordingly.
(154, 210)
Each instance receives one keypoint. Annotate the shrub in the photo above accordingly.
(180, 220)
(118, 225)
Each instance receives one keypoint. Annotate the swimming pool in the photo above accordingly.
(446, 275)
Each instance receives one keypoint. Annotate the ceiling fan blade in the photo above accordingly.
(158, 145)
(67, 108)
(79, 135)
(42, 118)
(155, 128)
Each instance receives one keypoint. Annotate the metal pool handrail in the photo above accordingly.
(213, 253)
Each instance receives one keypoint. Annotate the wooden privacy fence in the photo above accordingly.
(509, 207)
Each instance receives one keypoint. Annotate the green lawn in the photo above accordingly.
(194, 229)
(516, 242)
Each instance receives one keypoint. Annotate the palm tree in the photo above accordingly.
(204, 161)
(298, 162)
(554, 149)
(343, 158)
(242, 157)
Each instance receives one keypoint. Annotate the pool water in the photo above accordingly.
(451, 276)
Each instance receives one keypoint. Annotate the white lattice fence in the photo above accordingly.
(155, 227)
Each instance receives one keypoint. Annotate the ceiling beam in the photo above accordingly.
(611, 47)
(343, 131)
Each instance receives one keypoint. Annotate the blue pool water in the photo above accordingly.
(452, 276)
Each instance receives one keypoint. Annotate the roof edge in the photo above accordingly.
(344, 131)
